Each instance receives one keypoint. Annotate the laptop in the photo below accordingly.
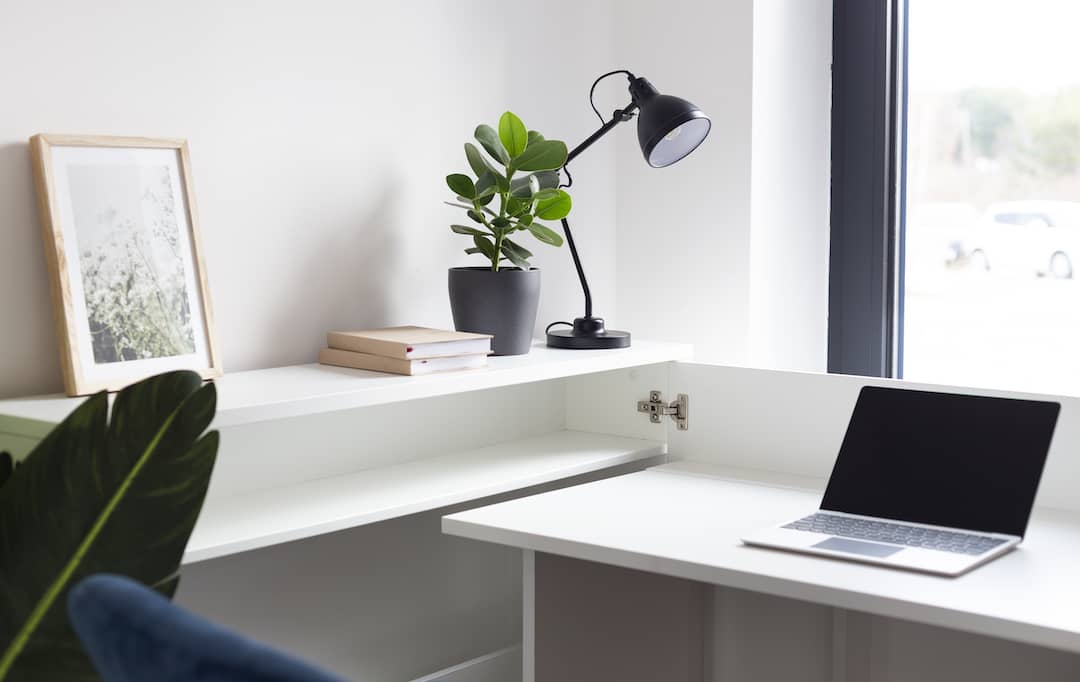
(934, 482)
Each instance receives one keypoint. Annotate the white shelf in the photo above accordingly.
(248, 521)
(261, 395)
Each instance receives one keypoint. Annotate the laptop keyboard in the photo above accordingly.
(896, 534)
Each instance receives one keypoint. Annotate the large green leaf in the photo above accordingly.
(489, 140)
(542, 155)
(554, 207)
(7, 466)
(535, 137)
(118, 496)
(512, 133)
(545, 234)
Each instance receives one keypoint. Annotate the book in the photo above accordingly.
(411, 367)
(409, 343)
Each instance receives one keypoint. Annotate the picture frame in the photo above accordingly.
(123, 249)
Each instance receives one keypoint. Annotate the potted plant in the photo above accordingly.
(501, 297)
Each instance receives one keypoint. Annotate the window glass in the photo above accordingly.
(992, 236)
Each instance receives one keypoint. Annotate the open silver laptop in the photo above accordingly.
(935, 482)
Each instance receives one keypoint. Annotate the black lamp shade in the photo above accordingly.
(669, 127)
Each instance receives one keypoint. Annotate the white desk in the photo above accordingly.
(684, 520)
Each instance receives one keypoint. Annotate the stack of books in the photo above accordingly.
(406, 350)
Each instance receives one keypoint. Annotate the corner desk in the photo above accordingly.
(322, 529)
(643, 576)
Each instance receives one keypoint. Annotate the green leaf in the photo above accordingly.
(485, 245)
(545, 234)
(477, 162)
(465, 229)
(486, 185)
(543, 155)
(525, 186)
(118, 496)
(554, 208)
(502, 182)
(545, 194)
(473, 250)
(515, 257)
(535, 137)
(475, 215)
(512, 133)
(485, 200)
(489, 140)
(500, 222)
(467, 207)
(516, 206)
(525, 220)
(7, 466)
(536, 182)
(462, 185)
(549, 179)
(518, 248)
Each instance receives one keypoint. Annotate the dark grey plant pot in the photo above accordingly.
(500, 303)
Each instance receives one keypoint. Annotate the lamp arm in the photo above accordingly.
(620, 116)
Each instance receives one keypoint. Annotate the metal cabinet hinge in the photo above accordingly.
(656, 408)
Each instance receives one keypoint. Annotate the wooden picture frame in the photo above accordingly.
(125, 259)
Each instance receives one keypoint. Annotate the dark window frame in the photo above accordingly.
(869, 136)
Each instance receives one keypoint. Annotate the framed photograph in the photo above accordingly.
(122, 244)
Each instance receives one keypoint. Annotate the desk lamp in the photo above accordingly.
(668, 129)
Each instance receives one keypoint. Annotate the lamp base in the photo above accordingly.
(588, 333)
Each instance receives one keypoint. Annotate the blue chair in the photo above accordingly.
(133, 634)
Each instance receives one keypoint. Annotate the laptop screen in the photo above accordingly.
(943, 459)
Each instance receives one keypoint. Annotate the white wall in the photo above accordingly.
(320, 135)
(728, 249)
(789, 185)
(320, 138)
(683, 231)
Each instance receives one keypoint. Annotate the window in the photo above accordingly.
(956, 193)
(993, 195)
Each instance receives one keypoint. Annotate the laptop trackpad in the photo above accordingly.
(856, 547)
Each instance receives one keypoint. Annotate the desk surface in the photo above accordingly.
(685, 520)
